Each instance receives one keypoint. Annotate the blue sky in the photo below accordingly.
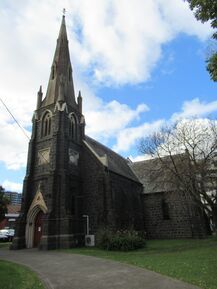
(139, 65)
(179, 76)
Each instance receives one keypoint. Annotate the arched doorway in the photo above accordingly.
(38, 228)
(34, 221)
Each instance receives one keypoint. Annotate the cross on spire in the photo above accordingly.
(64, 11)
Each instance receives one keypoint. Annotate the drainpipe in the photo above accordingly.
(87, 223)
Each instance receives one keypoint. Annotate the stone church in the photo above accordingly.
(72, 178)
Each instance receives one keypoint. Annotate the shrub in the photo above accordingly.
(119, 240)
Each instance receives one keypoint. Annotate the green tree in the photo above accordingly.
(206, 10)
(3, 203)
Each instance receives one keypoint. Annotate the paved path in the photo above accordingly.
(72, 271)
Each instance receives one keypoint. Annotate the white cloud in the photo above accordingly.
(115, 41)
(180, 19)
(107, 120)
(13, 144)
(129, 136)
(121, 43)
(11, 186)
(195, 108)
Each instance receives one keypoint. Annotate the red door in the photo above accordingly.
(38, 228)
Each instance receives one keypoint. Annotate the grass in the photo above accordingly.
(5, 244)
(14, 276)
(192, 261)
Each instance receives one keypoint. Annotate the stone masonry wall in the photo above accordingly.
(94, 190)
(127, 203)
(182, 219)
(109, 199)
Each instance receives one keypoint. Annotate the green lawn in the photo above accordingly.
(193, 261)
(5, 244)
(14, 276)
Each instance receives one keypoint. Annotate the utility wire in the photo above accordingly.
(8, 110)
(22, 129)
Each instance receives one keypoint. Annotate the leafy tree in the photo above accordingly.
(3, 203)
(206, 10)
(186, 161)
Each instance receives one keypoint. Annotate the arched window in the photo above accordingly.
(46, 125)
(165, 210)
(73, 127)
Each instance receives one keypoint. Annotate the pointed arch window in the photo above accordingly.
(46, 125)
(165, 210)
(73, 127)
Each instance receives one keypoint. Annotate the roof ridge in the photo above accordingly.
(107, 148)
(158, 158)
(116, 162)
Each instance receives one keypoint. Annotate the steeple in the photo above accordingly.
(61, 81)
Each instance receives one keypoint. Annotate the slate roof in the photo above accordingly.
(151, 174)
(114, 161)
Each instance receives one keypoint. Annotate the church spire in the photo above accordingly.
(61, 70)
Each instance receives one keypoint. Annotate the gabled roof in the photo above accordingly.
(153, 175)
(113, 161)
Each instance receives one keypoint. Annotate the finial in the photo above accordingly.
(39, 99)
(64, 12)
(40, 93)
(79, 100)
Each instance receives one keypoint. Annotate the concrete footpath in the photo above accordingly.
(71, 271)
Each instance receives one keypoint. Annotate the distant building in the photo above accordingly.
(11, 217)
(14, 198)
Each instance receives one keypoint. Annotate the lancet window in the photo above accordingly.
(73, 127)
(165, 210)
(46, 125)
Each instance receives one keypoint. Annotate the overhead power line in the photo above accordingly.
(21, 128)
(8, 110)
